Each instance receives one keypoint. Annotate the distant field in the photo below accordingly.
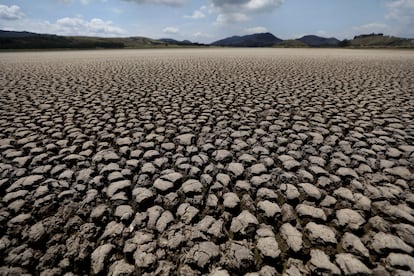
(191, 161)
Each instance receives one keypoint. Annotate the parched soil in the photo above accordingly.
(207, 161)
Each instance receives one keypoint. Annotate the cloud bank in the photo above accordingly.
(196, 15)
(95, 26)
(10, 12)
(255, 30)
(233, 11)
(246, 6)
(230, 18)
(401, 10)
(171, 30)
(159, 2)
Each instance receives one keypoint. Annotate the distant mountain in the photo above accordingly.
(291, 43)
(127, 42)
(24, 40)
(19, 34)
(179, 43)
(317, 41)
(176, 42)
(253, 40)
(379, 40)
(28, 40)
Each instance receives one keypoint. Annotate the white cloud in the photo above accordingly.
(196, 15)
(371, 28)
(294, 35)
(117, 10)
(11, 12)
(235, 11)
(79, 26)
(263, 5)
(201, 35)
(246, 5)
(322, 33)
(160, 2)
(400, 16)
(67, 26)
(207, 8)
(87, 2)
(170, 30)
(83, 2)
(229, 18)
(16, 21)
(255, 30)
(401, 10)
(64, 1)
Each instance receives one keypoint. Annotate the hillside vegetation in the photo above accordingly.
(380, 40)
(253, 40)
(291, 43)
(27, 40)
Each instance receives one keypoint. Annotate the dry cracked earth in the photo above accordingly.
(221, 162)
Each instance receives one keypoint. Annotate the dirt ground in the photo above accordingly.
(207, 161)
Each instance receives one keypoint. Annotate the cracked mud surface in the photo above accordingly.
(212, 161)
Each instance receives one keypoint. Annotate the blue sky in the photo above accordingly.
(209, 20)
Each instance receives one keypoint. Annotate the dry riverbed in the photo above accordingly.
(199, 161)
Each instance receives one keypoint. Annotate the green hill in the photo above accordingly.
(291, 43)
(380, 41)
(253, 40)
(318, 41)
(27, 40)
(127, 42)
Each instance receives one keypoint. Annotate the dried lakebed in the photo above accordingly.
(218, 161)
